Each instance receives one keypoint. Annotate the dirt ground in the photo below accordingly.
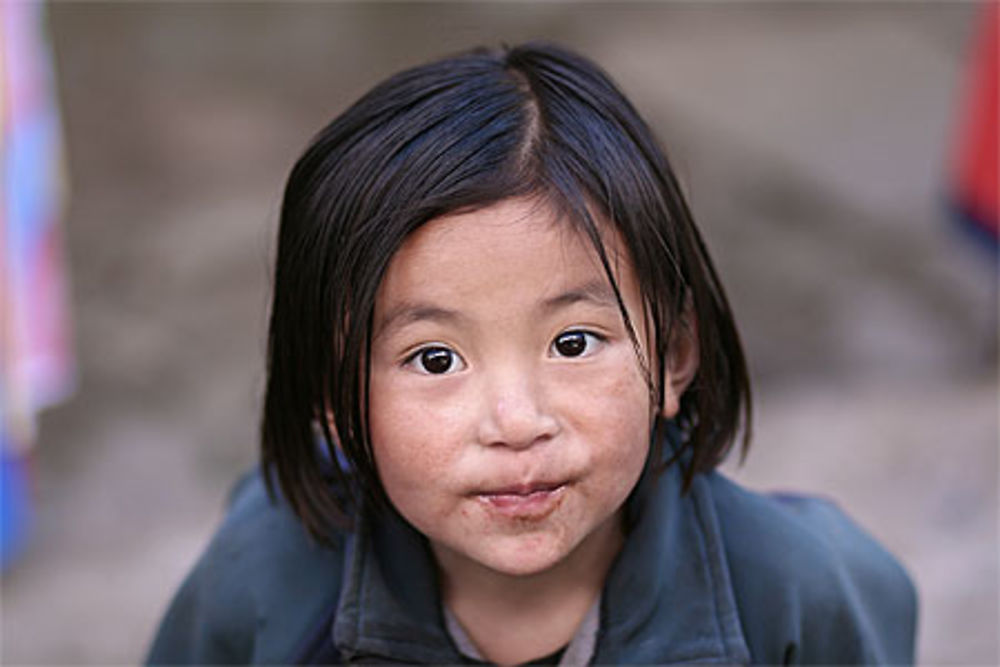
(813, 140)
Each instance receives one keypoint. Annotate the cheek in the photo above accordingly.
(612, 397)
(413, 436)
(612, 409)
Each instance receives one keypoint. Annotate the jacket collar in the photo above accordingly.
(390, 608)
(668, 598)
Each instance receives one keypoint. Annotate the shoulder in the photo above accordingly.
(811, 585)
(259, 586)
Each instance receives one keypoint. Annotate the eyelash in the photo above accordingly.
(591, 340)
(419, 359)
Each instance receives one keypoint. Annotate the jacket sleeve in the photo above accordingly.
(812, 587)
(257, 592)
(205, 624)
(858, 605)
(211, 617)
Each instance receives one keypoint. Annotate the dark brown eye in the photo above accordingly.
(436, 360)
(571, 344)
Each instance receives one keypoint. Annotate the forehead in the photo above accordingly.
(516, 245)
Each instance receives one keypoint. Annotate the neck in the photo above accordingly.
(513, 619)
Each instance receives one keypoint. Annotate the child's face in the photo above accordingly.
(510, 417)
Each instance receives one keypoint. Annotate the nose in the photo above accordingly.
(515, 411)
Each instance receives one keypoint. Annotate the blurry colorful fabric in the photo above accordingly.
(15, 503)
(36, 361)
(976, 174)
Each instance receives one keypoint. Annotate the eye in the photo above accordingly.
(436, 360)
(575, 343)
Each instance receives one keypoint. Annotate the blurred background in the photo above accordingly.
(817, 143)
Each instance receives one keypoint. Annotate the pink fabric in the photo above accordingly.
(36, 358)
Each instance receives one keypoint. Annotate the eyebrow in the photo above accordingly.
(409, 312)
(594, 292)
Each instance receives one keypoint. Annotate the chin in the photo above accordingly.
(520, 557)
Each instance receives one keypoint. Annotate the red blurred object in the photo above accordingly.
(975, 176)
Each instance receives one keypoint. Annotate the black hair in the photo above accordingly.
(453, 135)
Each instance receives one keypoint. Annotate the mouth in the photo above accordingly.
(531, 502)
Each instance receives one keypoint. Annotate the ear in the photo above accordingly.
(681, 364)
(327, 418)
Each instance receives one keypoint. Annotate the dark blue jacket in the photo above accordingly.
(719, 575)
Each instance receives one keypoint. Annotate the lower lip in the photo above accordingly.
(529, 506)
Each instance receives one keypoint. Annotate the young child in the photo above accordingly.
(501, 372)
